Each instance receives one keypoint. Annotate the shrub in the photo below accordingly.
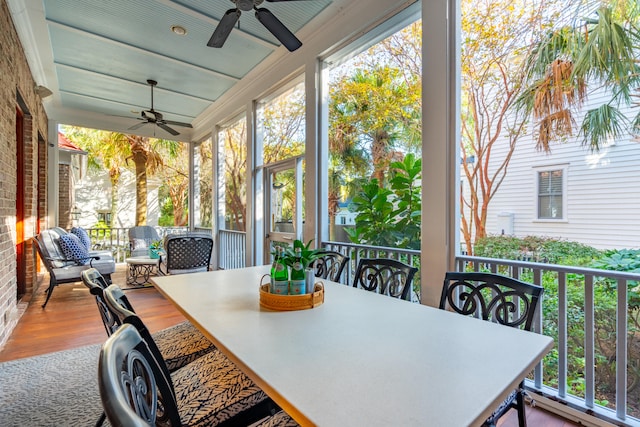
(537, 249)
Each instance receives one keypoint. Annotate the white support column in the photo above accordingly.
(194, 171)
(440, 116)
(217, 196)
(255, 190)
(315, 167)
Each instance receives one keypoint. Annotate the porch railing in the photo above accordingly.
(594, 317)
(357, 252)
(116, 240)
(231, 247)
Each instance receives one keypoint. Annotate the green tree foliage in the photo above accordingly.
(113, 152)
(496, 36)
(375, 114)
(374, 105)
(386, 217)
(233, 163)
(597, 54)
(106, 151)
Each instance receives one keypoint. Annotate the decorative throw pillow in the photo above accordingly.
(83, 236)
(73, 249)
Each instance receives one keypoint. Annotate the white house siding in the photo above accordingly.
(602, 190)
(93, 194)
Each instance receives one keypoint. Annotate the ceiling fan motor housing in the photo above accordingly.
(247, 5)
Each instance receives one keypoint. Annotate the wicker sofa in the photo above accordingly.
(68, 269)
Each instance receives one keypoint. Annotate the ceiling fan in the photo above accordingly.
(154, 117)
(267, 19)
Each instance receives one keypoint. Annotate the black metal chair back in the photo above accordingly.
(492, 297)
(188, 253)
(134, 389)
(499, 299)
(97, 284)
(385, 276)
(330, 265)
(118, 304)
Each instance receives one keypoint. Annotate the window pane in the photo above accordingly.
(550, 194)
(281, 124)
(232, 161)
(375, 119)
(203, 170)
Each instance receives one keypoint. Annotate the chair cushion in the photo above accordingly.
(212, 389)
(72, 272)
(83, 236)
(72, 248)
(181, 344)
(50, 243)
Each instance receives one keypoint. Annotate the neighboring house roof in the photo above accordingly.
(65, 145)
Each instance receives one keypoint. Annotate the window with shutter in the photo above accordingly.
(550, 194)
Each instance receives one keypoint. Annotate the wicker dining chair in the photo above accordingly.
(186, 253)
(330, 265)
(385, 276)
(499, 299)
(136, 391)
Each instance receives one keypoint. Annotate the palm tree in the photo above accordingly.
(570, 62)
(106, 150)
(376, 104)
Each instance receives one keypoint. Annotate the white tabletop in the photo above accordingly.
(360, 359)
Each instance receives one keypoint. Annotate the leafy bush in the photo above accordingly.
(563, 252)
(386, 217)
(537, 249)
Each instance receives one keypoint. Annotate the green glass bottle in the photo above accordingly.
(279, 274)
(297, 285)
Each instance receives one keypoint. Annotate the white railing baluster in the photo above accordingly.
(589, 341)
(562, 334)
(621, 350)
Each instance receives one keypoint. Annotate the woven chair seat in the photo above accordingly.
(212, 389)
(181, 344)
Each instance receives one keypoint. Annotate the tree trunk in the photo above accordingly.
(379, 148)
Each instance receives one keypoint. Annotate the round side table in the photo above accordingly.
(139, 269)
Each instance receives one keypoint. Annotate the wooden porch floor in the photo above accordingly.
(71, 320)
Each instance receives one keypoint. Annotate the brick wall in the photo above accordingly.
(16, 78)
(64, 196)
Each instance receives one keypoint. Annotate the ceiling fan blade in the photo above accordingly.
(138, 125)
(168, 129)
(224, 27)
(182, 124)
(275, 1)
(278, 29)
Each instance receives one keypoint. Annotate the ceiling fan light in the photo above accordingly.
(179, 30)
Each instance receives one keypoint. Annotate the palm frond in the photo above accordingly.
(602, 123)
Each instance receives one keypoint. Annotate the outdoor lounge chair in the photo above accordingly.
(68, 269)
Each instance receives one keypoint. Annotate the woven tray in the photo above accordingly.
(291, 302)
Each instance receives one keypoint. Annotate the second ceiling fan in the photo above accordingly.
(155, 117)
(268, 19)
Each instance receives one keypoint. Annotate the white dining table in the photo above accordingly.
(359, 359)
